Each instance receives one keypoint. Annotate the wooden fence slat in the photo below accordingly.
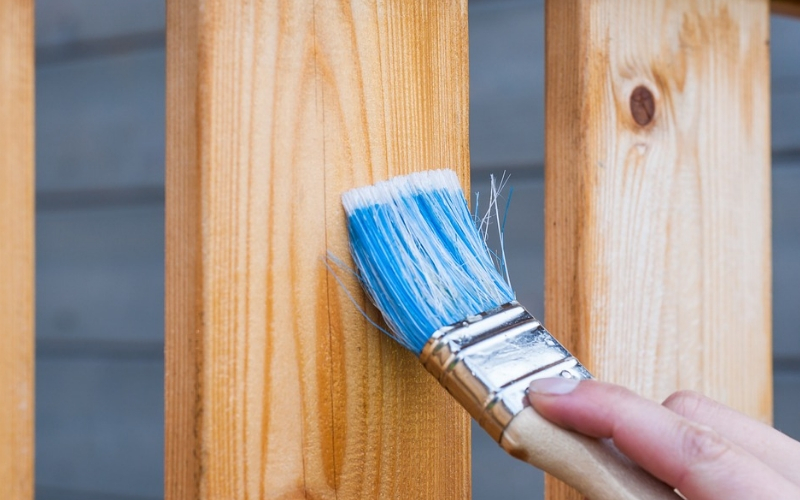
(275, 386)
(657, 248)
(16, 249)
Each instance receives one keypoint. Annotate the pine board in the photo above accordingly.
(275, 385)
(657, 244)
(16, 249)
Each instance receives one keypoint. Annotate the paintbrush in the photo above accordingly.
(424, 263)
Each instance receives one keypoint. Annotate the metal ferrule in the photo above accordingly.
(487, 362)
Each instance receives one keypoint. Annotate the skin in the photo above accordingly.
(703, 448)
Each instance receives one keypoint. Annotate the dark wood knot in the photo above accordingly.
(643, 105)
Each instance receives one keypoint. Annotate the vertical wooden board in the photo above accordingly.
(182, 288)
(394, 79)
(658, 229)
(16, 249)
(276, 387)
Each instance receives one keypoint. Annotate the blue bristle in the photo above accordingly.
(420, 256)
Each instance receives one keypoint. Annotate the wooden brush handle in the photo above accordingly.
(593, 467)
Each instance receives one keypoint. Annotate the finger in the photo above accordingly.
(772, 447)
(692, 457)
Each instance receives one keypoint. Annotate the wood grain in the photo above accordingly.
(16, 249)
(657, 246)
(275, 386)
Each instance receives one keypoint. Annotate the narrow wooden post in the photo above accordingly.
(658, 195)
(16, 249)
(275, 386)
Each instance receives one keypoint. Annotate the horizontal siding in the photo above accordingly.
(784, 47)
(100, 123)
(785, 62)
(786, 259)
(100, 275)
(787, 404)
(506, 85)
(524, 236)
(786, 117)
(496, 476)
(100, 426)
(66, 22)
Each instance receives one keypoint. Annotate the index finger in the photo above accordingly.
(695, 459)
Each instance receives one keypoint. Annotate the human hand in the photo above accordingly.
(703, 448)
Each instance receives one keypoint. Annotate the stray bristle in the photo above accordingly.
(420, 256)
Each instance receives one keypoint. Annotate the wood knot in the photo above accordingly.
(643, 105)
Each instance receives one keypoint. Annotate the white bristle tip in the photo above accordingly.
(399, 187)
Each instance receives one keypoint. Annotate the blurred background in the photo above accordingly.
(100, 231)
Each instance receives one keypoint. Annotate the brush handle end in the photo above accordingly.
(593, 467)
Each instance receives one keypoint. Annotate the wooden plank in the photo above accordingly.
(275, 385)
(16, 249)
(786, 7)
(657, 251)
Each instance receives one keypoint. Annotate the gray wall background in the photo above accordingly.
(100, 231)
